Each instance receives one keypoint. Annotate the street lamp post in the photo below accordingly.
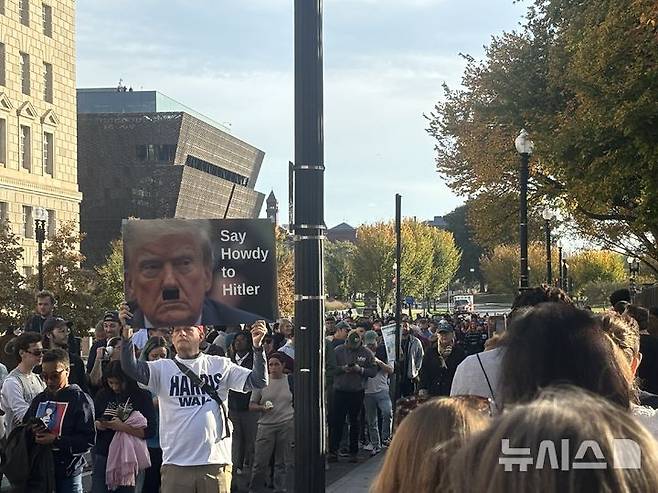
(548, 215)
(634, 270)
(524, 147)
(41, 217)
(565, 276)
(559, 261)
(309, 230)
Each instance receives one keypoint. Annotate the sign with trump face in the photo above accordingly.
(199, 271)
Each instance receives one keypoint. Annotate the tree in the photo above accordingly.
(596, 266)
(374, 258)
(109, 292)
(582, 77)
(72, 285)
(285, 262)
(417, 255)
(462, 231)
(338, 269)
(445, 262)
(15, 297)
(501, 267)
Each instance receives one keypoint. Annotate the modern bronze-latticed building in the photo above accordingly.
(142, 154)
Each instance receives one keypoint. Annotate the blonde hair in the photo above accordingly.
(558, 413)
(430, 424)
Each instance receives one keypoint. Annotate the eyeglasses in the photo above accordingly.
(52, 376)
(36, 352)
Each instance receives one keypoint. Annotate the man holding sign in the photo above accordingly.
(169, 273)
(191, 390)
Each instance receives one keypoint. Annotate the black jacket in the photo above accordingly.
(437, 372)
(71, 414)
(238, 401)
(27, 465)
(214, 313)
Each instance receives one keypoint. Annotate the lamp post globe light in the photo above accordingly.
(524, 146)
(633, 270)
(40, 219)
(547, 214)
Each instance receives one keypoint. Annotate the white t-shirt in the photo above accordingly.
(18, 391)
(470, 379)
(191, 423)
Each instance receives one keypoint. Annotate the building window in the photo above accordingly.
(25, 73)
(25, 147)
(2, 7)
(3, 81)
(47, 14)
(215, 170)
(156, 152)
(52, 223)
(47, 82)
(28, 222)
(3, 141)
(24, 10)
(4, 212)
(48, 153)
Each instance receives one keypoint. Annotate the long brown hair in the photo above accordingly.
(430, 424)
(559, 413)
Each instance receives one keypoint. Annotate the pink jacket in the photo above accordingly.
(127, 455)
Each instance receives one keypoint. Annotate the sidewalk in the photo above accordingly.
(359, 479)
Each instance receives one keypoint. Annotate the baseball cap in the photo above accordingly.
(370, 337)
(445, 329)
(111, 316)
(343, 325)
(52, 323)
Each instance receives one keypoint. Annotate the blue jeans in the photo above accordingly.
(69, 485)
(379, 400)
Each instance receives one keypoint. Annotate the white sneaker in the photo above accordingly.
(368, 447)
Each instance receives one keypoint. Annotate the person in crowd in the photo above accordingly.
(289, 347)
(432, 424)
(8, 358)
(111, 330)
(625, 333)
(490, 462)
(274, 405)
(245, 422)
(440, 363)
(56, 333)
(354, 365)
(156, 348)
(329, 326)
(474, 337)
(622, 295)
(111, 352)
(479, 374)
(169, 272)
(3, 376)
(283, 333)
(377, 395)
(268, 345)
(45, 301)
(200, 458)
(67, 420)
(554, 343)
(22, 385)
(340, 336)
(115, 405)
(648, 369)
(412, 359)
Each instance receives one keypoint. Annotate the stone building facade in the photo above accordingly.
(38, 142)
(155, 164)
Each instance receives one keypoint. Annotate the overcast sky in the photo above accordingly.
(385, 61)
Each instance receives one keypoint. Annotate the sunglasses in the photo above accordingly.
(36, 352)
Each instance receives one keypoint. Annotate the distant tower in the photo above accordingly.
(273, 208)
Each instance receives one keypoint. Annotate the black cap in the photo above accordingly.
(111, 316)
(445, 329)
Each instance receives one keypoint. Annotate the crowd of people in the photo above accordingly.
(202, 408)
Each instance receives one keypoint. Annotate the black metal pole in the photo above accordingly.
(561, 270)
(309, 229)
(41, 236)
(549, 267)
(398, 292)
(523, 220)
(565, 276)
(228, 203)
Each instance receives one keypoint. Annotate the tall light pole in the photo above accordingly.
(398, 292)
(309, 230)
(40, 220)
(633, 270)
(524, 147)
(547, 214)
(559, 261)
